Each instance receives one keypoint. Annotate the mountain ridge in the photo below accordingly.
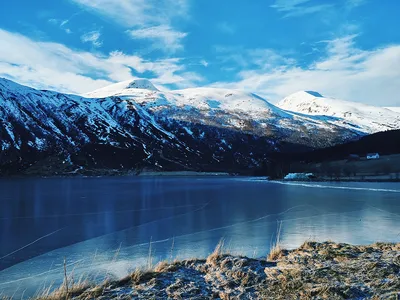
(368, 118)
(201, 129)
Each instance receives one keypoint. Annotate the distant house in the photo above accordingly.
(373, 156)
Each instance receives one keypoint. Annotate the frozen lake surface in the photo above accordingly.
(104, 226)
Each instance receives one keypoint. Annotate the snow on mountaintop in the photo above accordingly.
(6, 84)
(368, 118)
(122, 88)
(395, 109)
(307, 107)
(224, 99)
(145, 93)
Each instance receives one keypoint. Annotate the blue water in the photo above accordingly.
(105, 226)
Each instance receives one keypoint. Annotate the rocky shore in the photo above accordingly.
(313, 271)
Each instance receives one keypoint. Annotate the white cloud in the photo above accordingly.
(345, 72)
(146, 19)
(292, 8)
(92, 37)
(295, 8)
(138, 13)
(250, 58)
(51, 65)
(204, 63)
(163, 37)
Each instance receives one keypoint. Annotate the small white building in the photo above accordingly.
(373, 156)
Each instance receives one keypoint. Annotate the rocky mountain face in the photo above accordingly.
(131, 126)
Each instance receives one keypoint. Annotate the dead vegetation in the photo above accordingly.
(315, 270)
(276, 251)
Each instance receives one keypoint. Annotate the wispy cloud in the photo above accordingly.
(204, 63)
(242, 58)
(138, 13)
(92, 37)
(345, 72)
(55, 66)
(61, 24)
(354, 3)
(293, 8)
(162, 37)
(145, 19)
(225, 27)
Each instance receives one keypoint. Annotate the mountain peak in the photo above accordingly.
(301, 97)
(305, 95)
(120, 88)
(140, 84)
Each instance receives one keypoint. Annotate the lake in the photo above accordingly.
(108, 226)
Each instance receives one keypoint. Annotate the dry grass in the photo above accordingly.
(276, 250)
(161, 267)
(139, 276)
(217, 253)
(68, 289)
(136, 276)
(316, 270)
(64, 291)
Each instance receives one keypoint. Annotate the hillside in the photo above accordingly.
(366, 118)
(133, 125)
(335, 162)
(236, 110)
(384, 143)
(395, 109)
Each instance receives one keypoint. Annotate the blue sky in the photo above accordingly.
(348, 49)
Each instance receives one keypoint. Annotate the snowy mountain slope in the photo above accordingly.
(120, 88)
(367, 118)
(44, 132)
(395, 109)
(227, 108)
(200, 98)
(96, 133)
(133, 125)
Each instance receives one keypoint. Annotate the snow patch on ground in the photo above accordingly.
(299, 176)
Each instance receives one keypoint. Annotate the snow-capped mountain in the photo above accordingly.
(47, 132)
(395, 109)
(235, 110)
(133, 125)
(367, 118)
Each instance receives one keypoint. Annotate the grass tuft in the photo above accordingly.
(276, 252)
(64, 291)
(218, 251)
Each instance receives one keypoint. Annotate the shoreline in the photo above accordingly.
(315, 270)
(339, 180)
(117, 173)
(187, 174)
(184, 174)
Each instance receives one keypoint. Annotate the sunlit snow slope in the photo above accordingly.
(395, 109)
(134, 125)
(228, 108)
(367, 118)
